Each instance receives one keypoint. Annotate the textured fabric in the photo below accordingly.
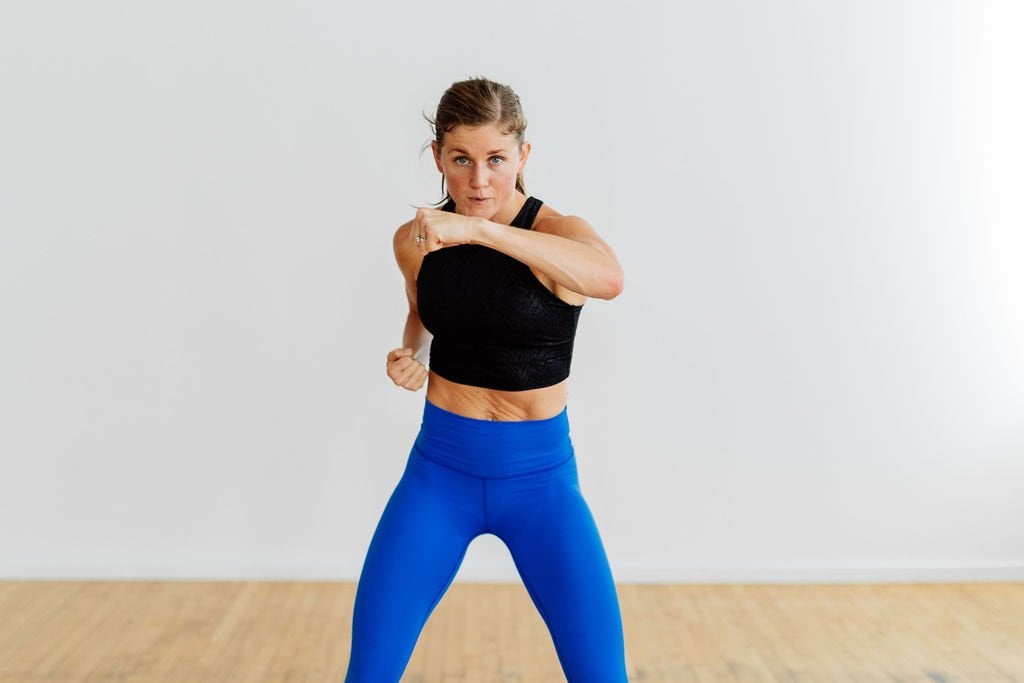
(493, 323)
(518, 481)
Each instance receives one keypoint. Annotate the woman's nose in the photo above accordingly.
(479, 178)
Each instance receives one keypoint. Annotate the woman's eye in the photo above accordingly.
(497, 160)
(462, 161)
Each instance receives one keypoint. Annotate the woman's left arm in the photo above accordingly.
(565, 248)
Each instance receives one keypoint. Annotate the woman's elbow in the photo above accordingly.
(614, 281)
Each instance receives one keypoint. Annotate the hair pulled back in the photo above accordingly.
(478, 102)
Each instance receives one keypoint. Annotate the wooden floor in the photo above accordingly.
(276, 632)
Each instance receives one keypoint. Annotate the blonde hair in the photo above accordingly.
(477, 102)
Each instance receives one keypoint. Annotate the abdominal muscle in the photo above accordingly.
(492, 404)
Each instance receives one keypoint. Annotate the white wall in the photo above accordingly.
(815, 371)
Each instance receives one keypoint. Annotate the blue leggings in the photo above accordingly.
(514, 479)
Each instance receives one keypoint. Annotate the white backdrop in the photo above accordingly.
(815, 372)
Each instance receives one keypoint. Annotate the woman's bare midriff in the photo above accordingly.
(492, 404)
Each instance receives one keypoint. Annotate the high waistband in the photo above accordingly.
(493, 448)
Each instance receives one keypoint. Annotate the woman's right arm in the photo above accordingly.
(405, 367)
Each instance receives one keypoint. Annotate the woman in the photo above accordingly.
(495, 281)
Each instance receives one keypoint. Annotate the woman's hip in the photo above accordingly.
(493, 448)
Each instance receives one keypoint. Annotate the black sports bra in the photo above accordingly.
(494, 324)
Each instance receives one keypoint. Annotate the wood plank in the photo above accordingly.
(297, 632)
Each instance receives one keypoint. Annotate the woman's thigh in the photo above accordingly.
(416, 550)
(555, 544)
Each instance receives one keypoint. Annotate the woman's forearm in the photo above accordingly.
(416, 337)
(580, 266)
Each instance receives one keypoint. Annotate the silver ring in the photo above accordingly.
(421, 238)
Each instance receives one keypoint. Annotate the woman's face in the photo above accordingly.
(480, 165)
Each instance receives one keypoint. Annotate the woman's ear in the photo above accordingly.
(524, 152)
(437, 155)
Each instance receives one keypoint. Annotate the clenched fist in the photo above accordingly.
(406, 371)
(433, 229)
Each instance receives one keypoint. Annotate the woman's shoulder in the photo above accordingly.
(402, 231)
(407, 254)
(545, 209)
(550, 220)
(544, 212)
